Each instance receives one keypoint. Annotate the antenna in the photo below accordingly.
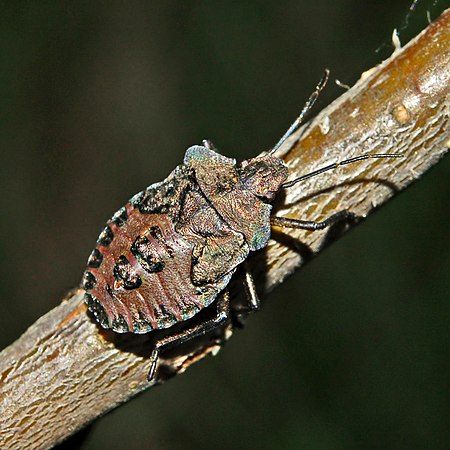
(338, 164)
(308, 105)
(296, 124)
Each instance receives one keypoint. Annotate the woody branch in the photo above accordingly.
(63, 372)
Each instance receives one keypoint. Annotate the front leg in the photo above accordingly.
(311, 225)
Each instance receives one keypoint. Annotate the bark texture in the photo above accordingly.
(64, 371)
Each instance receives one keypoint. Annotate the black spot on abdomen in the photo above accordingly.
(89, 281)
(120, 217)
(124, 272)
(106, 237)
(95, 258)
(147, 255)
(97, 309)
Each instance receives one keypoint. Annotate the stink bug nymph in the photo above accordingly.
(174, 246)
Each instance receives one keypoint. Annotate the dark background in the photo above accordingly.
(100, 99)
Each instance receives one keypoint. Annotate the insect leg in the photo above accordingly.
(311, 225)
(222, 316)
(250, 289)
(238, 315)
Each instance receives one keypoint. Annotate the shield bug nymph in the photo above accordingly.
(172, 249)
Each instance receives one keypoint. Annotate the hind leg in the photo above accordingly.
(222, 316)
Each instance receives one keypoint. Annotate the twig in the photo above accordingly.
(64, 371)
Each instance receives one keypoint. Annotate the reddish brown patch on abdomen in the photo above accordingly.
(161, 260)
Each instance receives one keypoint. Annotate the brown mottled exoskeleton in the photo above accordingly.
(173, 247)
